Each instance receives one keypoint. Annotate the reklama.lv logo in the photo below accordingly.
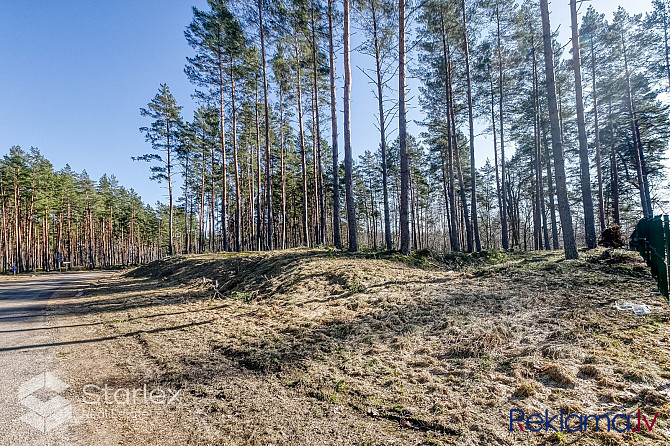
(578, 422)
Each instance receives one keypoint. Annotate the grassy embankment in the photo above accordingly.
(311, 347)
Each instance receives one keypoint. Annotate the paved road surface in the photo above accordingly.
(25, 353)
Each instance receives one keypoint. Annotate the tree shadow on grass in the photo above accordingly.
(104, 338)
(92, 324)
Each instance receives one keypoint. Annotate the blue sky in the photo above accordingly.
(74, 73)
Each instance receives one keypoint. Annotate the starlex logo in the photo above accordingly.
(538, 422)
(44, 415)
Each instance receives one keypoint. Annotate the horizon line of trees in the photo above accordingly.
(258, 167)
(50, 219)
(589, 132)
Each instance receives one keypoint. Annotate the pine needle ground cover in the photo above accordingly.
(315, 347)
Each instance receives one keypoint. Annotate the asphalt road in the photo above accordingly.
(31, 416)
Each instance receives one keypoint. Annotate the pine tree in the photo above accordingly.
(402, 134)
(163, 134)
(569, 243)
(592, 25)
(587, 199)
(337, 238)
(209, 35)
(348, 156)
(473, 172)
(377, 21)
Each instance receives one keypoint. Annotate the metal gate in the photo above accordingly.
(651, 239)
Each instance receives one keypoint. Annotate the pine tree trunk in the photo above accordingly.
(412, 203)
(503, 192)
(382, 130)
(268, 165)
(473, 171)
(587, 198)
(282, 167)
(495, 151)
(601, 200)
(537, 229)
(550, 183)
(337, 237)
(224, 184)
(315, 171)
(457, 156)
(91, 239)
(212, 223)
(186, 234)
(169, 178)
(238, 195)
(645, 172)
(259, 209)
(539, 195)
(348, 156)
(614, 171)
(303, 161)
(637, 149)
(447, 196)
(569, 243)
(69, 233)
(453, 234)
(252, 205)
(5, 253)
(318, 170)
(545, 228)
(402, 134)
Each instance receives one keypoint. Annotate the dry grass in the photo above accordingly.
(590, 370)
(560, 375)
(524, 390)
(312, 347)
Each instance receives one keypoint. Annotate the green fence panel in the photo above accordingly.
(651, 239)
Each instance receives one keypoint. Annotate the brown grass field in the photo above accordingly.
(315, 347)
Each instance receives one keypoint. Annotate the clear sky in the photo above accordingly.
(74, 73)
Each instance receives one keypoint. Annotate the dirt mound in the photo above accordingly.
(248, 276)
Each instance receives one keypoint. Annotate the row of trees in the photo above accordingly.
(249, 170)
(51, 217)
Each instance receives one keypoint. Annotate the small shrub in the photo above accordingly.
(244, 297)
(612, 238)
(354, 286)
(341, 387)
(524, 390)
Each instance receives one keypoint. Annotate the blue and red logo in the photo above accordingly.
(573, 422)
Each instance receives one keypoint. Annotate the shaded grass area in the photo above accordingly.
(321, 347)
